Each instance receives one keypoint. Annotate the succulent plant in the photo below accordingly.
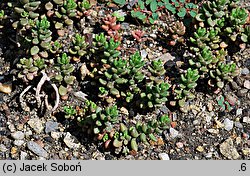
(79, 45)
(155, 95)
(121, 77)
(177, 30)
(224, 72)
(41, 35)
(62, 72)
(206, 37)
(28, 67)
(111, 27)
(108, 48)
(186, 86)
(69, 111)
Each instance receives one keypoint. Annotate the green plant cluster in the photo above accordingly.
(221, 24)
(124, 78)
(41, 38)
(148, 11)
(185, 89)
(54, 42)
(108, 127)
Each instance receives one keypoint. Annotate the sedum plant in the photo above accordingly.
(185, 89)
(79, 45)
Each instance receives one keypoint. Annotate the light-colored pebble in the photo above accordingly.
(69, 141)
(173, 133)
(37, 149)
(36, 124)
(228, 150)
(164, 156)
(228, 124)
(247, 84)
(18, 135)
(18, 142)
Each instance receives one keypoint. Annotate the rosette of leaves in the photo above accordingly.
(62, 72)
(226, 15)
(69, 111)
(55, 47)
(205, 60)
(26, 10)
(156, 68)
(79, 45)
(204, 37)
(235, 28)
(41, 35)
(155, 95)
(245, 36)
(177, 30)
(122, 77)
(212, 13)
(224, 72)
(29, 68)
(67, 9)
(107, 49)
(188, 82)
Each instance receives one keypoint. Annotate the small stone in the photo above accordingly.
(246, 151)
(50, 126)
(238, 125)
(209, 155)
(17, 135)
(238, 140)
(18, 142)
(124, 111)
(80, 95)
(154, 36)
(247, 84)
(173, 133)
(3, 148)
(165, 110)
(23, 155)
(36, 124)
(37, 149)
(245, 71)
(13, 150)
(167, 58)
(210, 106)
(196, 122)
(179, 145)
(200, 149)
(174, 116)
(242, 92)
(55, 135)
(234, 85)
(69, 141)
(246, 119)
(11, 127)
(228, 124)
(238, 112)
(144, 54)
(125, 26)
(213, 131)
(164, 156)
(228, 150)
